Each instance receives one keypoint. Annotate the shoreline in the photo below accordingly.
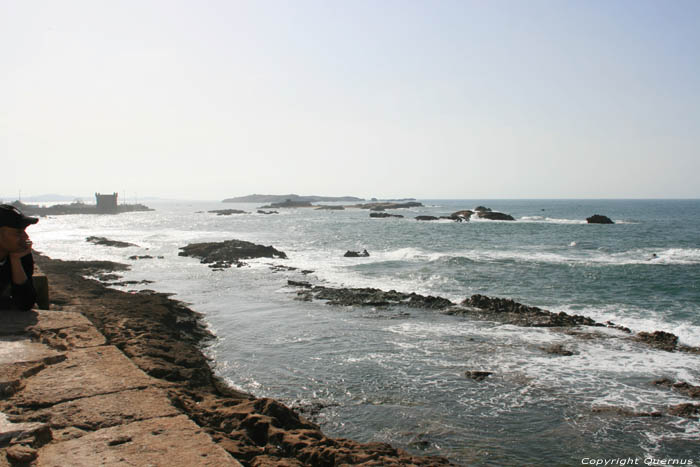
(164, 338)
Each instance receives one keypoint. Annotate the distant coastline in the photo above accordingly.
(255, 198)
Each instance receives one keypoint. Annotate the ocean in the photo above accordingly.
(398, 375)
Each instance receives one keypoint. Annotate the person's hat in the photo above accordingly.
(10, 216)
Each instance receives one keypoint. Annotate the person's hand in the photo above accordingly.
(23, 250)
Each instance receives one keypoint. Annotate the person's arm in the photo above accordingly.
(23, 293)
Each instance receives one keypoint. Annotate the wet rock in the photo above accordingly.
(384, 215)
(280, 267)
(260, 211)
(685, 410)
(299, 284)
(610, 324)
(426, 218)
(494, 216)
(511, 312)
(372, 297)
(463, 215)
(680, 386)
(478, 375)
(227, 212)
(659, 339)
(356, 254)
(224, 254)
(306, 271)
(330, 208)
(482, 209)
(135, 257)
(558, 349)
(599, 219)
(623, 411)
(107, 242)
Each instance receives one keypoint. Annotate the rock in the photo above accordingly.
(463, 215)
(482, 209)
(330, 208)
(224, 254)
(426, 218)
(299, 284)
(659, 339)
(107, 242)
(494, 216)
(227, 212)
(288, 203)
(511, 312)
(685, 410)
(134, 257)
(260, 211)
(355, 254)
(599, 219)
(21, 454)
(380, 206)
(558, 349)
(478, 375)
(374, 297)
(384, 215)
(680, 386)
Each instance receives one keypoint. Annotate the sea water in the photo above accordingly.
(398, 375)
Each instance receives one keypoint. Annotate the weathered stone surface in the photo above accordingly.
(9, 430)
(21, 454)
(171, 441)
(84, 373)
(103, 411)
(20, 349)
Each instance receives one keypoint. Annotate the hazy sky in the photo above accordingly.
(431, 99)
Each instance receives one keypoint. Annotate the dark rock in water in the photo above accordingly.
(623, 411)
(680, 386)
(355, 254)
(260, 211)
(280, 267)
(478, 375)
(224, 254)
(304, 284)
(558, 349)
(227, 212)
(610, 324)
(511, 312)
(330, 208)
(685, 410)
(376, 297)
(289, 203)
(141, 257)
(426, 218)
(659, 339)
(599, 219)
(482, 209)
(463, 215)
(107, 242)
(494, 216)
(380, 206)
(384, 214)
(306, 271)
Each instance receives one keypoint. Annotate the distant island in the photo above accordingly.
(105, 204)
(292, 198)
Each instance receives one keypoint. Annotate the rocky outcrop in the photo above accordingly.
(107, 242)
(380, 206)
(660, 340)
(494, 216)
(229, 252)
(477, 375)
(162, 338)
(289, 203)
(512, 312)
(599, 219)
(260, 211)
(427, 218)
(384, 215)
(680, 386)
(356, 254)
(461, 216)
(330, 208)
(369, 297)
(75, 208)
(227, 212)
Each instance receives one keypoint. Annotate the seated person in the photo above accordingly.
(16, 262)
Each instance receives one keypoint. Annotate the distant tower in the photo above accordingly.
(106, 203)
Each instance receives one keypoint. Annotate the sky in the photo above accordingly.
(430, 99)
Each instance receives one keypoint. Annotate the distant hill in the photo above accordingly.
(46, 198)
(292, 197)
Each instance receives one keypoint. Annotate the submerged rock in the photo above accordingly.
(659, 339)
(599, 219)
(107, 242)
(558, 349)
(680, 386)
(384, 214)
(224, 254)
(356, 254)
(426, 218)
(478, 375)
(260, 211)
(227, 212)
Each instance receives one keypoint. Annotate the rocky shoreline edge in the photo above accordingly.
(165, 339)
